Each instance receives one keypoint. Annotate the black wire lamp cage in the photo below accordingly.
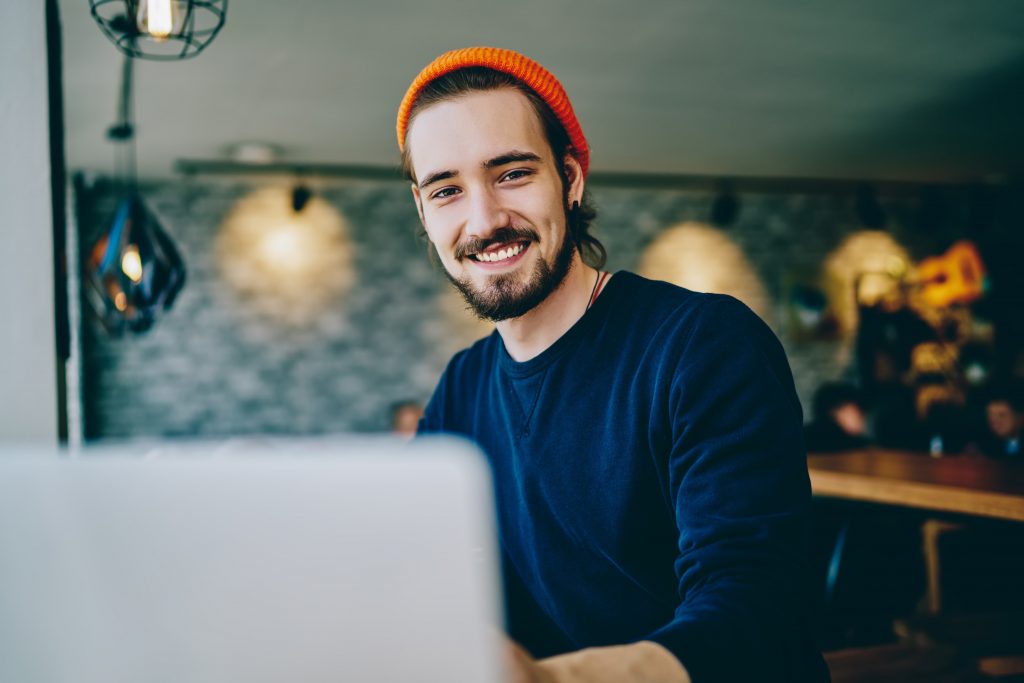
(133, 271)
(160, 29)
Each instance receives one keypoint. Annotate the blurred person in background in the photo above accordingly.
(866, 560)
(405, 418)
(1004, 422)
(983, 560)
(839, 422)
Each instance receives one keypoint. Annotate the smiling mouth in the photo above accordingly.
(500, 253)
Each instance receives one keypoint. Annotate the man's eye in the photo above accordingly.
(445, 193)
(516, 174)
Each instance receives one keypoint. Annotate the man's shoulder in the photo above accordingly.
(681, 308)
(671, 326)
(466, 373)
(474, 358)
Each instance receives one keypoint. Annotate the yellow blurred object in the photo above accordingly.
(158, 17)
(866, 269)
(292, 265)
(932, 394)
(131, 263)
(934, 358)
(702, 258)
(956, 277)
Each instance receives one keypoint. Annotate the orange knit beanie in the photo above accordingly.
(535, 76)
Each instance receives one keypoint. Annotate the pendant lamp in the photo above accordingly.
(133, 272)
(160, 29)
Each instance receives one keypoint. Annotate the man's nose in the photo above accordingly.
(486, 214)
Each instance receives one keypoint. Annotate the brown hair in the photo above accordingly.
(479, 78)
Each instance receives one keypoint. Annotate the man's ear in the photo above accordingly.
(419, 203)
(574, 174)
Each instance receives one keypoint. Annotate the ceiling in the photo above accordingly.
(874, 89)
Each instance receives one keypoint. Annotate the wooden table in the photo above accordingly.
(971, 485)
(963, 484)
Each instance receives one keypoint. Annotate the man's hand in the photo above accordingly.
(643, 662)
(521, 667)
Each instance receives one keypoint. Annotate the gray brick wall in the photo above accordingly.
(213, 367)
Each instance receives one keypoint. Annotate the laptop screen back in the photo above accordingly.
(366, 561)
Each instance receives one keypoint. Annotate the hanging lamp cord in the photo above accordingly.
(122, 133)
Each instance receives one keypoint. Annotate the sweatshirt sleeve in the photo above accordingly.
(741, 495)
(433, 420)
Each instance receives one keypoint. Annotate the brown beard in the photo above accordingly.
(505, 297)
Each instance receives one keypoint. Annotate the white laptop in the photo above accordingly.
(278, 561)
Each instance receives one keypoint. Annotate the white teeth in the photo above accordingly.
(500, 255)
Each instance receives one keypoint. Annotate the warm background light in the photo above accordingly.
(131, 263)
(286, 264)
(705, 259)
(156, 17)
(867, 268)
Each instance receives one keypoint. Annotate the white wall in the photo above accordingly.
(28, 367)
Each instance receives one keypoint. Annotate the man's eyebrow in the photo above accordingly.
(436, 177)
(512, 157)
(515, 156)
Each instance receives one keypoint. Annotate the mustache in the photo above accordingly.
(475, 245)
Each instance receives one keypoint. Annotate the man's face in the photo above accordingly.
(491, 199)
(1003, 420)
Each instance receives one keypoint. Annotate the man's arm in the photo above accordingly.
(739, 484)
(643, 662)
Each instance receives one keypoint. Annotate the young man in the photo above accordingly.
(645, 440)
(1004, 416)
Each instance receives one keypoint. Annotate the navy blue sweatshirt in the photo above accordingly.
(651, 482)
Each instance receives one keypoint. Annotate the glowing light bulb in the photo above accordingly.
(285, 249)
(131, 263)
(156, 17)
